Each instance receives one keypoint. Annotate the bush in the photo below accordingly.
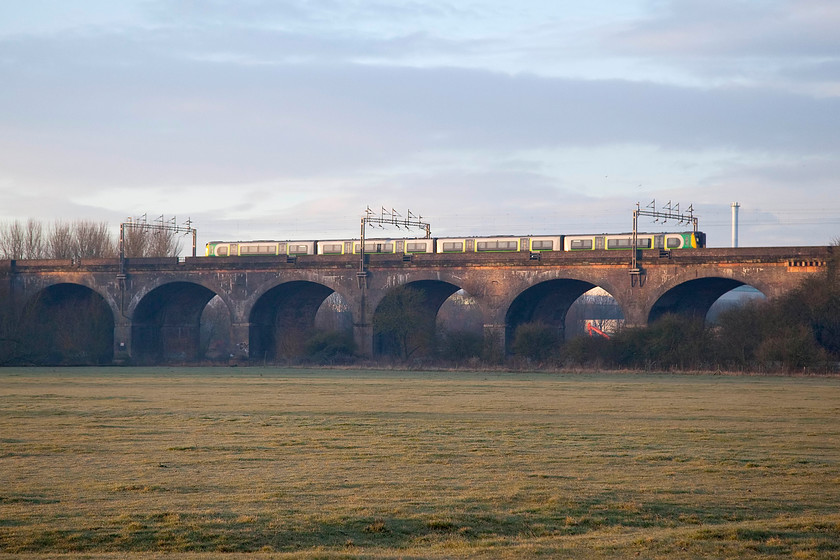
(330, 347)
(460, 346)
(793, 348)
(672, 342)
(587, 351)
(536, 341)
(739, 333)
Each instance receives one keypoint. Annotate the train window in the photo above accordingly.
(542, 245)
(298, 249)
(673, 243)
(453, 247)
(379, 247)
(332, 248)
(581, 244)
(619, 243)
(627, 243)
(415, 247)
(221, 250)
(256, 249)
(496, 246)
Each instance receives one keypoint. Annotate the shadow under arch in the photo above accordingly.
(66, 324)
(404, 320)
(282, 317)
(692, 298)
(166, 323)
(546, 303)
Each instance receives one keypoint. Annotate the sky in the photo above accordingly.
(286, 119)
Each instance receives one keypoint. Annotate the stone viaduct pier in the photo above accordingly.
(155, 305)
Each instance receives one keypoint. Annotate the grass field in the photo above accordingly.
(263, 463)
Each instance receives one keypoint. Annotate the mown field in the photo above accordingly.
(263, 463)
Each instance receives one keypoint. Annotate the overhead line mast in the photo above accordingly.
(160, 224)
(668, 212)
(393, 218)
(142, 224)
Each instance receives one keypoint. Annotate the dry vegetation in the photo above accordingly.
(97, 463)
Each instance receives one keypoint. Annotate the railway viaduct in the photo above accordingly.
(154, 305)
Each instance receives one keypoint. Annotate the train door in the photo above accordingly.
(599, 242)
(400, 245)
(470, 246)
(659, 241)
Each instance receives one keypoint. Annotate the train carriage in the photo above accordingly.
(624, 241)
(482, 244)
(259, 248)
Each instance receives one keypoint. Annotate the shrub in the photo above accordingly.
(330, 346)
(793, 348)
(673, 341)
(587, 351)
(536, 341)
(460, 346)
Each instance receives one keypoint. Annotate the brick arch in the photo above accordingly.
(281, 317)
(692, 298)
(166, 323)
(66, 323)
(86, 281)
(545, 302)
(432, 293)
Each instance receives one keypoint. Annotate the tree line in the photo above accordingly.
(82, 239)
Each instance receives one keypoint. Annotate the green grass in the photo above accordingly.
(259, 463)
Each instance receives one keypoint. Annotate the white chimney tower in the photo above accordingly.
(735, 207)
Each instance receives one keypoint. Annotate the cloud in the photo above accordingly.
(178, 115)
(737, 28)
(737, 41)
(261, 118)
(242, 139)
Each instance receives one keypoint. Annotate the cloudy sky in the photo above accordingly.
(287, 118)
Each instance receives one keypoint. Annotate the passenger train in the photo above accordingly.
(505, 244)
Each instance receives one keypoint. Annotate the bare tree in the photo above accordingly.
(79, 239)
(93, 240)
(144, 241)
(402, 322)
(60, 242)
(164, 243)
(33, 240)
(12, 240)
